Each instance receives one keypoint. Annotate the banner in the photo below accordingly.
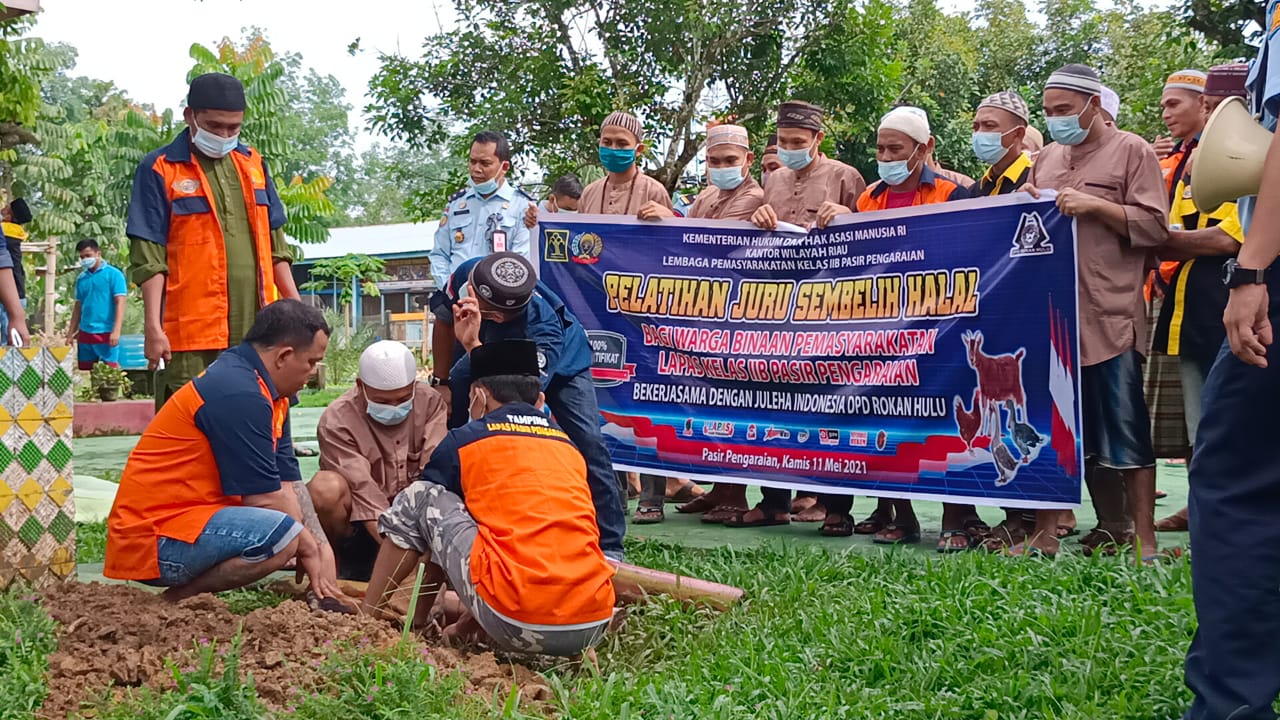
(928, 352)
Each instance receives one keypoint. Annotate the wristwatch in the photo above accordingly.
(1234, 276)
(436, 381)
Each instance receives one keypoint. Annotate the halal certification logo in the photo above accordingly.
(1031, 237)
(586, 248)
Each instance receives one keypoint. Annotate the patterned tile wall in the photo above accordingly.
(37, 512)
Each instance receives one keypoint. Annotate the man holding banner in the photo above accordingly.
(1110, 181)
(809, 189)
(904, 145)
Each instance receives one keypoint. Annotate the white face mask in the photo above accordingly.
(214, 146)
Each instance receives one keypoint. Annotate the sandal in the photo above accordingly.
(647, 516)
(739, 521)
(892, 534)
(976, 530)
(720, 513)
(1176, 522)
(813, 513)
(946, 546)
(1103, 543)
(1167, 555)
(872, 525)
(688, 492)
(700, 504)
(303, 451)
(843, 527)
(1024, 550)
(1063, 532)
(1001, 538)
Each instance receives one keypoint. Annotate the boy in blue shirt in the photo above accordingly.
(99, 310)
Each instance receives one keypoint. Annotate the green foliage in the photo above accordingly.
(342, 357)
(26, 640)
(246, 600)
(309, 398)
(398, 683)
(895, 635)
(548, 72)
(24, 65)
(345, 271)
(102, 375)
(392, 184)
(91, 542)
(1235, 26)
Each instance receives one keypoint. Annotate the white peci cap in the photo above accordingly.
(388, 365)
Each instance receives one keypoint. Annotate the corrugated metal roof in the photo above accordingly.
(402, 239)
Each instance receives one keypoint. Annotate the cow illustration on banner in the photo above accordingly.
(926, 352)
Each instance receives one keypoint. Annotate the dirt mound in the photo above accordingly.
(113, 636)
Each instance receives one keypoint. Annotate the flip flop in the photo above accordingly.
(1030, 551)
(908, 538)
(1066, 531)
(647, 516)
(739, 521)
(1167, 555)
(844, 528)
(721, 513)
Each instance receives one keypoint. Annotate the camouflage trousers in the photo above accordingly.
(426, 518)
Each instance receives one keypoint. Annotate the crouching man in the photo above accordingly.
(504, 515)
(374, 441)
(211, 498)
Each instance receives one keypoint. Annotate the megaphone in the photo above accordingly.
(1228, 162)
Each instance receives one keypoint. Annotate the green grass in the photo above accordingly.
(858, 636)
(320, 398)
(26, 641)
(852, 635)
(91, 542)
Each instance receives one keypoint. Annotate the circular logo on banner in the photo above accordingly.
(881, 438)
(586, 248)
(187, 186)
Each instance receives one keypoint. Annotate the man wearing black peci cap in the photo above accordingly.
(206, 230)
(499, 298)
(13, 216)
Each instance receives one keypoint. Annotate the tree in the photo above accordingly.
(346, 271)
(1235, 26)
(547, 73)
(396, 184)
(267, 126)
(25, 63)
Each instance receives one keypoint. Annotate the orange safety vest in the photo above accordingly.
(196, 304)
(171, 485)
(933, 188)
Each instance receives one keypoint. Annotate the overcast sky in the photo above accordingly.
(142, 45)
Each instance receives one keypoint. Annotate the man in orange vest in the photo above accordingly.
(904, 146)
(530, 574)
(212, 497)
(207, 244)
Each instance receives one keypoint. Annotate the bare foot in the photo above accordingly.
(814, 513)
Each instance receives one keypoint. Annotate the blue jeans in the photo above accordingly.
(1233, 665)
(573, 403)
(249, 533)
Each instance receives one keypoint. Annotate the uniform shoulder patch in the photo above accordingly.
(520, 191)
(457, 195)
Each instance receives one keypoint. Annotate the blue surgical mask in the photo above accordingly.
(795, 159)
(726, 178)
(486, 188)
(1066, 130)
(88, 263)
(617, 160)
(210, 145)
(894, 173)
(384, 414)
(989, 147)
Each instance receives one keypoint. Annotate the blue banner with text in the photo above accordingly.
(929, 352)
